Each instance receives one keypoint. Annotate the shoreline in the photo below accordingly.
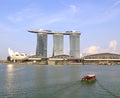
(44, 63)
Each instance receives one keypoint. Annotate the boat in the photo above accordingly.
(89, 78)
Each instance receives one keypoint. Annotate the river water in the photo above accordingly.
(61, 81)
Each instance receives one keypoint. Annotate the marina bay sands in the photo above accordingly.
(58, 42)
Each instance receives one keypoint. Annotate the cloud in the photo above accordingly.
(92, 50)
(62, 16)
(116, 3)
(100, 16)
(73, 8)
(103, 17)
(23, 15)
(6, 31)
(113, 45)
(41, 17)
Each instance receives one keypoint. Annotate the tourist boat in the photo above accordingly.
(89, 78)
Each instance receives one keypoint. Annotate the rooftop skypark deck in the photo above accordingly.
(54, 32)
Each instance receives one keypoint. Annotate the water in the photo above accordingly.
(63, 81)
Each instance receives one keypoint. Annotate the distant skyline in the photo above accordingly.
(97, 20)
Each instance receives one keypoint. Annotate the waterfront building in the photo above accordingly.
(58, 40)
(41, 48)
(102, 58)
(75, 45)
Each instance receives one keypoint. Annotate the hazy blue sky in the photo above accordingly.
(97, 20)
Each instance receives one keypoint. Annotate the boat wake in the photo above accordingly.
(107, 90)
(66, 87)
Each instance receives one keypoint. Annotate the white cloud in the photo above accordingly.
(6, 31)
(103, 17)
(113, 45)
(116, 3)
(100, 16)
(23, 15)
(41, 16)
(92, 50)
(73, 8)
(63, 16)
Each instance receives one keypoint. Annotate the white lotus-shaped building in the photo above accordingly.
(17, 55)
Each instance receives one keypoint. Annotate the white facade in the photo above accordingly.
(75, 45)
(58, 46)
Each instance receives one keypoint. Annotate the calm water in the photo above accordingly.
(36, 81)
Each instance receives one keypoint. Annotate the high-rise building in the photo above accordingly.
(41, 48)
(75, 45)
(58, 44)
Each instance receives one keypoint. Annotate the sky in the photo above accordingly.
(97, 20)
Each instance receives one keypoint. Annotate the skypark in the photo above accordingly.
(54, 32)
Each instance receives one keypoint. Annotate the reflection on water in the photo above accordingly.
(36, 81)
(9, 67)
(9, 78)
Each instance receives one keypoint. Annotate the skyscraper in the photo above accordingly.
(58, 44)
(75, 45)
(41, 48)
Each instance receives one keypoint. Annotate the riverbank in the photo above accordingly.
(58, 63)
(40, 63)
(30, 62)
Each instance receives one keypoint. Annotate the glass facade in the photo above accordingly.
(75, 45)
(41, 49)
(58, 41)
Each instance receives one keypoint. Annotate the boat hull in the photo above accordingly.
(89, 79)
